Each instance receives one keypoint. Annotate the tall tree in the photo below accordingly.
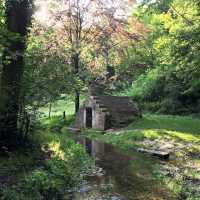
(17, 17)
(86, 27)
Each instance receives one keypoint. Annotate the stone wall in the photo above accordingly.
(98, 117)
(79, 121)
(108, 112)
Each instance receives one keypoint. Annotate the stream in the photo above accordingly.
(120, 175)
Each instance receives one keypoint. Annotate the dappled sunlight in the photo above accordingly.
(157, 134)
(55, 148)
(151, 134)
(166, 134)
(183, 136)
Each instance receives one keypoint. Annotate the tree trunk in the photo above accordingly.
(64, 115)
(75, 61)
(17, 18)
(50, 105)
(77, 100)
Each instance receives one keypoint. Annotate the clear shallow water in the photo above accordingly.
(120, 175)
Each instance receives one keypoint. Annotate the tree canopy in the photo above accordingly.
(147, 50)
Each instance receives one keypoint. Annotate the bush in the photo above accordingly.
(164, 92)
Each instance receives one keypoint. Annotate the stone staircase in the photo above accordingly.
(100, 105)
(117, 109)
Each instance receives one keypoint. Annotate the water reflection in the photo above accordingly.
(121, 175)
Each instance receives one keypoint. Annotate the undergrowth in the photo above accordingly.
(52, 168)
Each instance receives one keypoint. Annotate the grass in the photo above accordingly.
(49, 168)
(58, 107)
(176, 128)
(184, 124)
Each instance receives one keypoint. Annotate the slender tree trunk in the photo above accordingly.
(50, 105)
(64, 115)
(18, 14)
(75, 61)
(77, 100)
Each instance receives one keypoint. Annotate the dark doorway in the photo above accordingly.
(88, 144)
(88, 117)
(107, 122)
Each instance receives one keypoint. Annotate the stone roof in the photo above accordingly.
(116, 103)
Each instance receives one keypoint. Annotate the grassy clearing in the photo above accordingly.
(50, 168)
(176, 134)
(58, 107)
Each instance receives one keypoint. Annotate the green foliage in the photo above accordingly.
(42, 81)
(56, 123)
(58, 107)
(170, 84)
(48, 73)
(63, 165)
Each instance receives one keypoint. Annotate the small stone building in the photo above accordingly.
(105, 112)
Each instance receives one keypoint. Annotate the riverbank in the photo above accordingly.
(51, 166)
(180, 136)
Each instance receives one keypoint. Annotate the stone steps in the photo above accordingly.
(113, 104)
(120, 109)
(102, 107)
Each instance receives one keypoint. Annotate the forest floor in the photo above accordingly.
(180, 136)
